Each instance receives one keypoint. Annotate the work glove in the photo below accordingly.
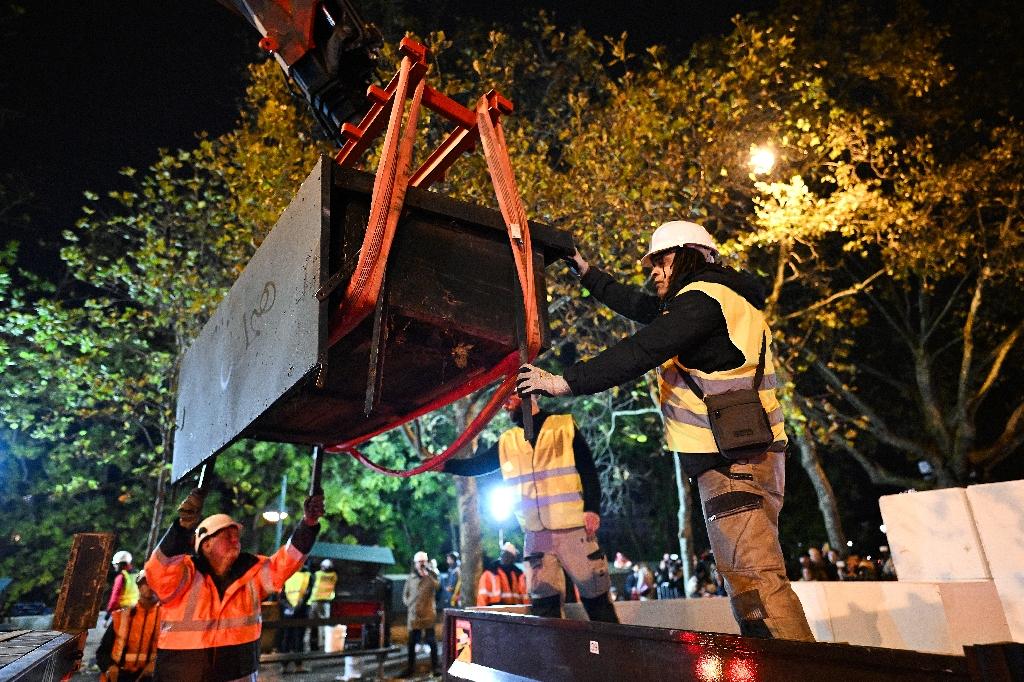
(533, 380)
(190, 511)
(313, 509)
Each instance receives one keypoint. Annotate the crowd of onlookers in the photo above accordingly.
(826, 563)
(667, 579)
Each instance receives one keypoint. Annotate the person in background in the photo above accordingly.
(127, 652)
(324, 583)
(451, 583)
(820, 568)
(295, 606)
(502, 582)
(418, 597)
(125, 592)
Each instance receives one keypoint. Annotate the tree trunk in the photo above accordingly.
(469, 514)
(469, 538)
(683, 519)
(811, 463)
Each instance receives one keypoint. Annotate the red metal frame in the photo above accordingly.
(390, 185)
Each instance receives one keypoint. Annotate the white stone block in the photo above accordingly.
(974, 613)
(932, 536)
(814, 599)
(938, 617)
(998, 510)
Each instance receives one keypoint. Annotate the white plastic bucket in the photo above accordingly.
(335, 638)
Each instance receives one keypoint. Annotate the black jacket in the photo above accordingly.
(690, 326)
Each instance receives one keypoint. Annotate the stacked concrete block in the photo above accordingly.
(932, 536)
(998, 510)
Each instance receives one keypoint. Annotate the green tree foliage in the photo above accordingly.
(887, 208)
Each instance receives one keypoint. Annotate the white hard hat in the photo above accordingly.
(214, 524)
(121, 557)
(678, 233)
(420, 556)
(326, 565)
(510, 548)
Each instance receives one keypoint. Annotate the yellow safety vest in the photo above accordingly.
(550, 493)
(129, 591)
(295, 587)
(687, 428)
(323, 586)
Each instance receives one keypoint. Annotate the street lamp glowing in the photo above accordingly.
(274, 516)
(501, 502)
(762, 159)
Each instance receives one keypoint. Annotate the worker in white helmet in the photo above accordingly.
(325, 581)
(125, 593)
(706, 335)
(210, 600)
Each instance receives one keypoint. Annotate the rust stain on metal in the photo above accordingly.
(460, 354)
(85, 578)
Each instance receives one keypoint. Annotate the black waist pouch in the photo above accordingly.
(738, 420)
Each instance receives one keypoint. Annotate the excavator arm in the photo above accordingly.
(325, 47)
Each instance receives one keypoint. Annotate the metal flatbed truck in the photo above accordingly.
(493, 646)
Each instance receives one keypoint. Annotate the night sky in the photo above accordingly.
(91, 86)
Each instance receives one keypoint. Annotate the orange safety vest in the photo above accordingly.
(194, 614)
(687, 428)
(548, 486)
(496, 589)
(135, 638)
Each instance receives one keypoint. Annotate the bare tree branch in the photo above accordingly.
(850, 291)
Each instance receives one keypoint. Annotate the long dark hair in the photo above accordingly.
(687, 262)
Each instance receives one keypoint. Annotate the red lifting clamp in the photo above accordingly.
(366, 289)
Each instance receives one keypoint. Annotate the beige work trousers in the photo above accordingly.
(549, 551)
(742, 508)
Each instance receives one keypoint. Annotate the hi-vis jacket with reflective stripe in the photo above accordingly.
(324, 583)
(135, 637)
(686, 417)
(550, 492)
(500, 585)
(197, 617)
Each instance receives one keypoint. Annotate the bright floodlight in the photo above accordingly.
(882, 528)
(762, 159)
(273, 516)
(501, 502)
